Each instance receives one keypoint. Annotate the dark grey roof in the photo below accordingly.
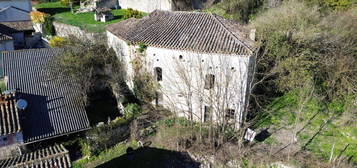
(16, 26)
(195, 31)
(52, 157)
(55, 107)
(9, 114)
(13, 7)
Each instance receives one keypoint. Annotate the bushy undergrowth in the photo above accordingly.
(338, 133)
(105, 156)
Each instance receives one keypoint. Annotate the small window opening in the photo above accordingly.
(180, 57)
(203, 60)
(207, 114)
(157, 60)
(158, 73)
(230, 113)
(209, 81)
(232, 68)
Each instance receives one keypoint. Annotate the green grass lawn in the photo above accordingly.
(85, 21)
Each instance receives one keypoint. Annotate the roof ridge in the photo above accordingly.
(230, 32)
(10, 6)
(30, 49)
(20, 9)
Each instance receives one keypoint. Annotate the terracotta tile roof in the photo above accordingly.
(52, 157)
(55, 106)
(11, 27)
(195, 31)
(9, 114)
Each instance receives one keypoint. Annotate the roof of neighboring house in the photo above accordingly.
(9, 114)
(55, 106)
(13, 7)
(18, 26)
(4, 37)
(55, 156)
(195, 31)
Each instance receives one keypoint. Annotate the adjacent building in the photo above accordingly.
(15, 23)
(15, 10)
(202, 62)
(53, 157)
(103, 14)
(6, 42)
(19, 4)
(168, 5)
(11, 13)
(18, 33)
(37, 105)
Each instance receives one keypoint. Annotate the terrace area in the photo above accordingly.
(85, 21)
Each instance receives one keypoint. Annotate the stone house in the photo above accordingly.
(169, 5)
(202, 62)
(92, 5)
(103, 14)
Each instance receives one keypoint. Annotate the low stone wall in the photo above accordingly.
(147, 5)
(65, 30)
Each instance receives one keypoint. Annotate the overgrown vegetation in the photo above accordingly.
(305, 80)
(131, 13)
(85, 64)
(57, 41)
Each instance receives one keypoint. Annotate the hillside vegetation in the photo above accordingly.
(306, 84)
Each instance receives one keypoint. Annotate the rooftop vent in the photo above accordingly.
(21, 104)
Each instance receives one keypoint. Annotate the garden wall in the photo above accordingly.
(65, 30)
(147, 5)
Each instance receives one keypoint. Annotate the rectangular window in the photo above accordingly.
(207, 114)
(158, 73)
(230, 113)
(209, 81)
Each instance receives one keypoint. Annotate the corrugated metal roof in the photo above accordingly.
(55, 107)
(194, 31)
(52, 157)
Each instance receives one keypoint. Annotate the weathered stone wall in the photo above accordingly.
(147, 5)
(232, 73)
(65, 30)
(107, 4)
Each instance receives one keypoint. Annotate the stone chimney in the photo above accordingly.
(252, 34)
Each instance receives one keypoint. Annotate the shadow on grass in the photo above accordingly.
(53, 11)
(152, 158)
(118, 17)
